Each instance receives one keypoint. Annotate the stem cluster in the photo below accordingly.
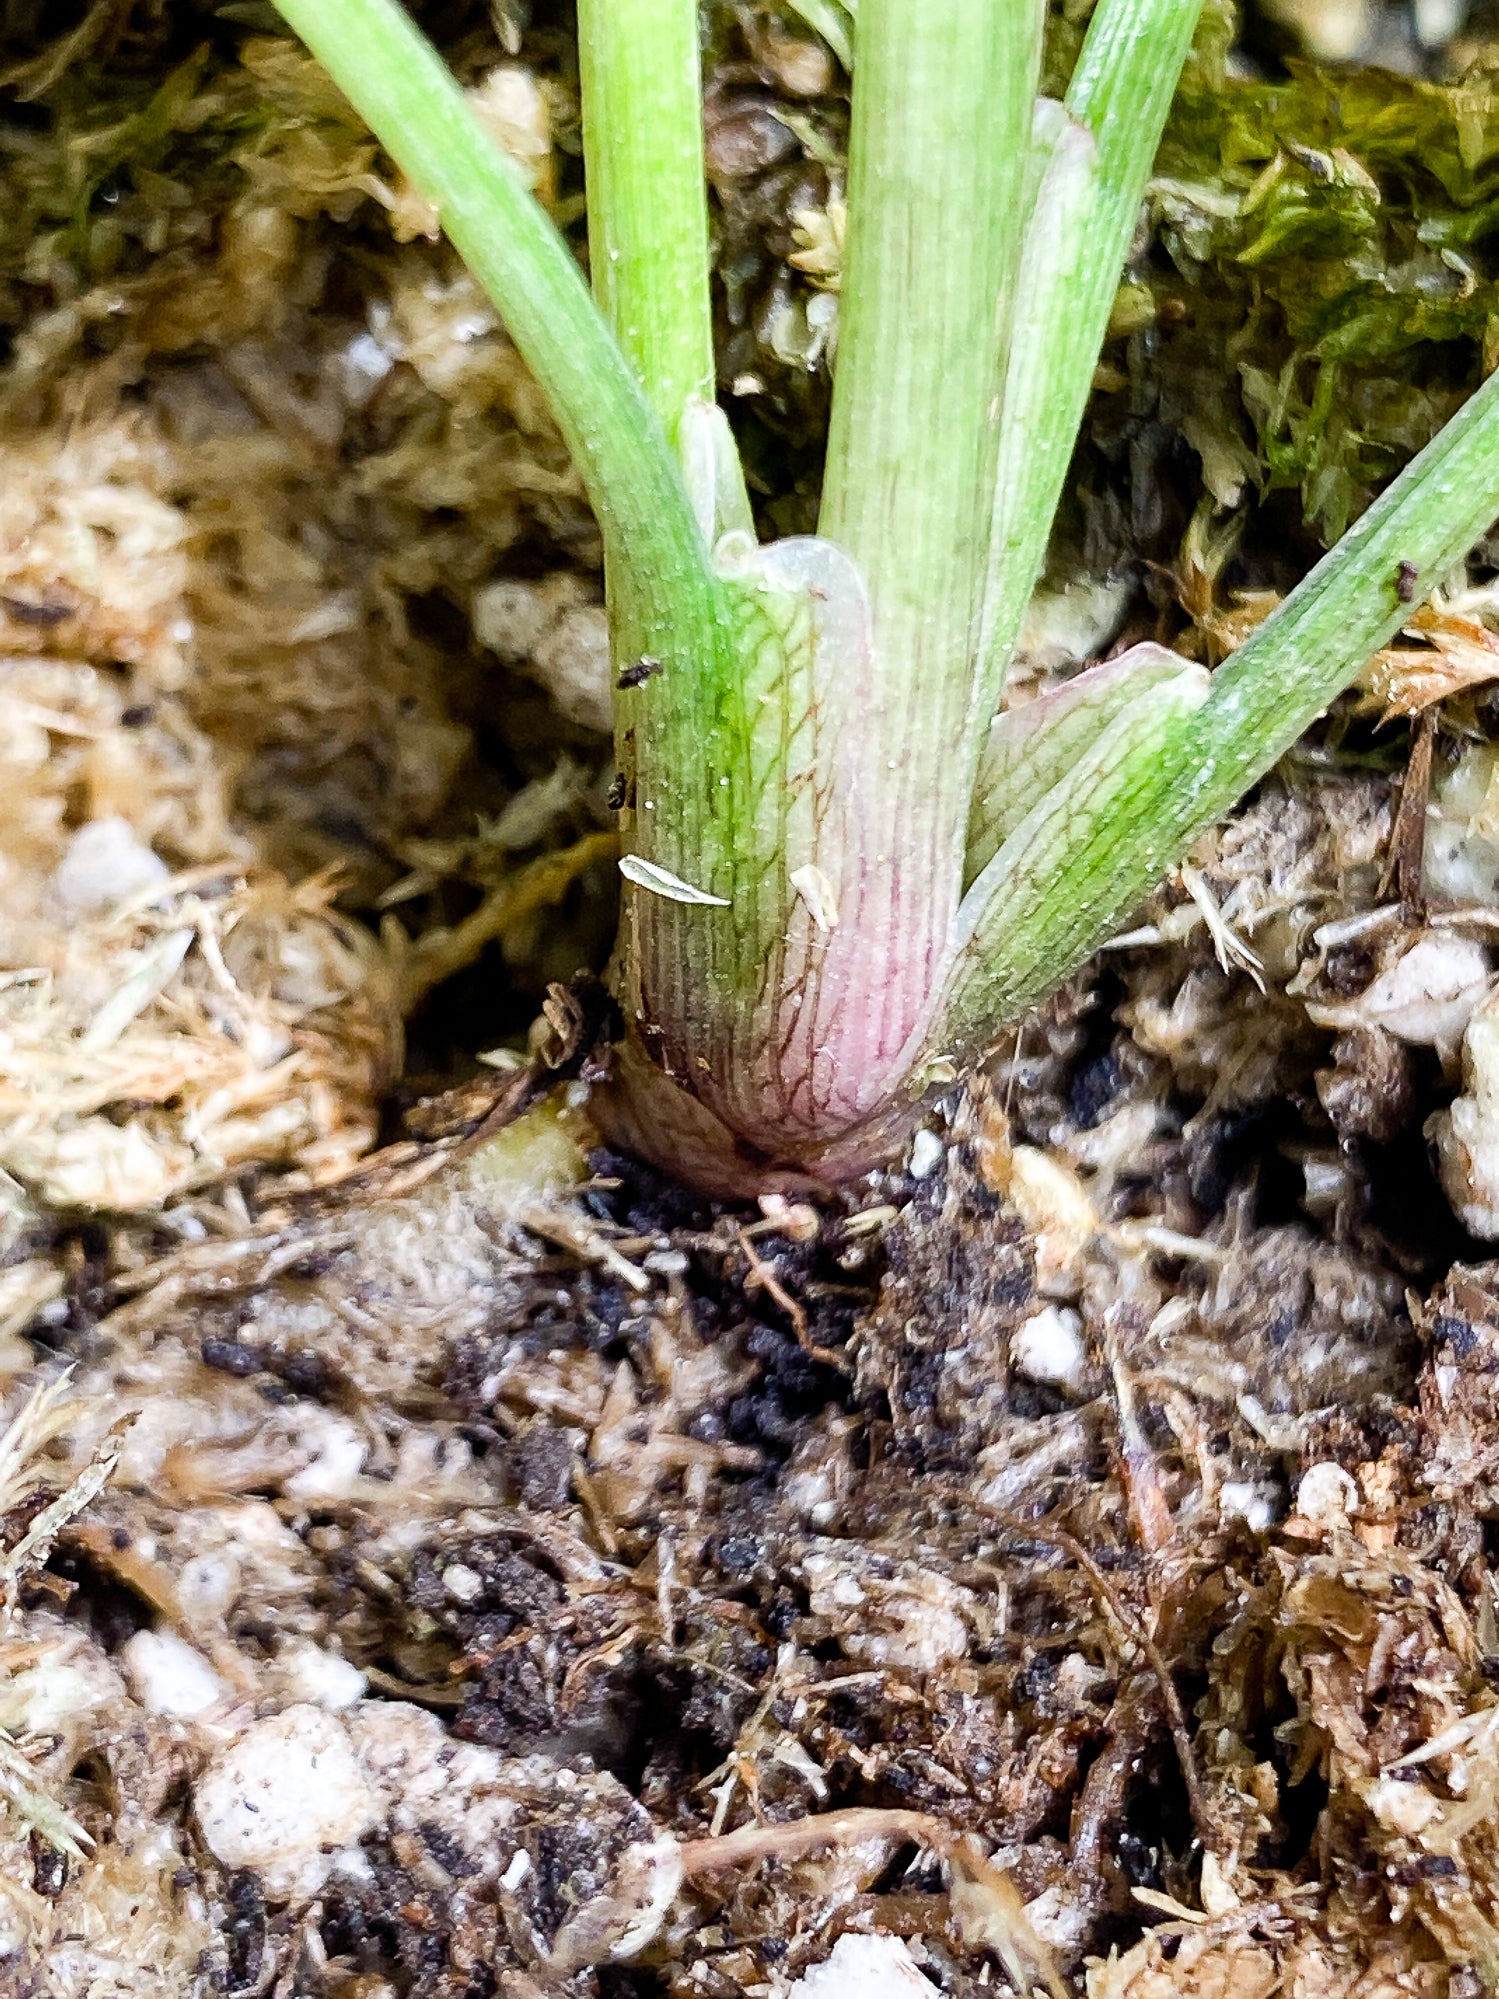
(847, 868)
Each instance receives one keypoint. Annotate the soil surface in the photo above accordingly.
(440, 1557)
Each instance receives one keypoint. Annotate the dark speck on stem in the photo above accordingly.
(641, 671)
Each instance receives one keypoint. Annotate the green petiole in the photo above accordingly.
(648, 202)
(398, 84)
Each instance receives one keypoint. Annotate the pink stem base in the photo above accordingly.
(640, 1110)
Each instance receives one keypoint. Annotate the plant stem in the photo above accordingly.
(1076, 245)
(641, 72)
(403, 91)
(1032, 923)
(937, 163)
(1354, 601)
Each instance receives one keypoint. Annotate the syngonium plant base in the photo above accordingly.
(844, 875)
(848, 1039)
(643, 1112)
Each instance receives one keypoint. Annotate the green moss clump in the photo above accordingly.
(1320, 288)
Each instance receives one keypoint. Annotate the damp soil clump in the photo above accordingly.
(439, 1556)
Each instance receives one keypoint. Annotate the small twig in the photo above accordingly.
(1012, 1083)
(762, 1277)
(556, 1225)
(1135, 1630)
(594, 1507)
(1148, 1506)
(1233, 952)
(1407, 850)
(854, 1823)
(420, 1693)
(802, 1836)
(438, 954)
